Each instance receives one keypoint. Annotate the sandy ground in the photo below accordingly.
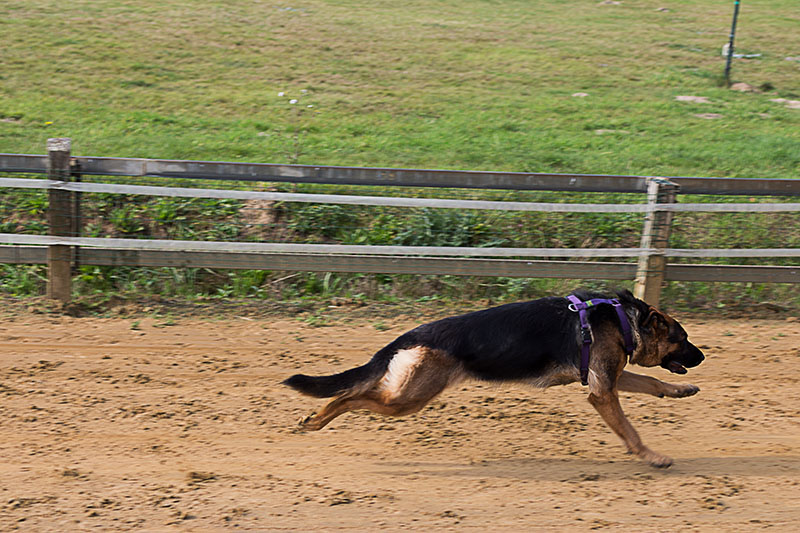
(119, 424)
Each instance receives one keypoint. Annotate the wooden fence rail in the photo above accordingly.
(531, 181)
(64, 246)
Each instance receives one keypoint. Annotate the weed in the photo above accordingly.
(22, 280)
(126, 220)
(298, 123)
(321, 220)
(318, 321)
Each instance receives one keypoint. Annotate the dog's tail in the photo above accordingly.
(349, 383)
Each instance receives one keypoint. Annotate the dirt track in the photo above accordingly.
(120, 424)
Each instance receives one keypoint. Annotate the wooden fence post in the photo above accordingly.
(60, 220)
(655, 236)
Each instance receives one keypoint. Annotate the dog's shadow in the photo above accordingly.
(549, 469)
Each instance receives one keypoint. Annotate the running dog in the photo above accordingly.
(536, 342)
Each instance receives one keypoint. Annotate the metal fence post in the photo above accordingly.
(60, 220)
(655, 237)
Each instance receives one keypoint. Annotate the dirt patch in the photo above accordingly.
(694, 99)
(120, 424)
(260, 220)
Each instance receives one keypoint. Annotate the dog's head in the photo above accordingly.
(662, 340)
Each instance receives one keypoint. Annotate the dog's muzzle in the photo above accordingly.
(687, 357)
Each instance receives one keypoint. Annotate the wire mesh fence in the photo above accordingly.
(256, 220)
(597, 233)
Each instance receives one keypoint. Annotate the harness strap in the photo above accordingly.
(582, 309)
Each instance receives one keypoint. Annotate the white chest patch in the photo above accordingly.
(400, 370)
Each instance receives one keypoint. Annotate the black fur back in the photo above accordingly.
(510, 342)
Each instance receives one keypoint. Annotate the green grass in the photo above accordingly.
(469, 84)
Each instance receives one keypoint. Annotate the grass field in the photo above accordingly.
(551, 86)
(445, 84)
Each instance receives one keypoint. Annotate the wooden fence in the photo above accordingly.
(64, 246)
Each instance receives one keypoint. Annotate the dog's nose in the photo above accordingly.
(697, 356)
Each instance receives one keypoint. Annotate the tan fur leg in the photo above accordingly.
(630, 382)
(340, 406)
(416, 378)
(606, 401)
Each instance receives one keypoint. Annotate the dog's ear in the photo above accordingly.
(625, 295)
(654, 319)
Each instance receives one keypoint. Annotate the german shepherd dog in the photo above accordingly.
(536, 342)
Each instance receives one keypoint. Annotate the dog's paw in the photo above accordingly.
(657, 460)
(661, 461)
(652, 458)
(682, 391)
(306, 424)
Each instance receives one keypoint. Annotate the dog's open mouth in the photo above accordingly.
(674, 366)
(677, 362)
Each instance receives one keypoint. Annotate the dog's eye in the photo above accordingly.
(678, 338)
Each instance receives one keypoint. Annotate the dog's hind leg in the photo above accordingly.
(414, 377)
(605, 400)
(340, 406)
(630, 382)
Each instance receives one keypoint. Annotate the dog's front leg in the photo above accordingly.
(630, 382)
(604, 398)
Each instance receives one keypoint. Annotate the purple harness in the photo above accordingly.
(582, 308)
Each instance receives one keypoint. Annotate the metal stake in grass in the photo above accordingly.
(730, 43)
